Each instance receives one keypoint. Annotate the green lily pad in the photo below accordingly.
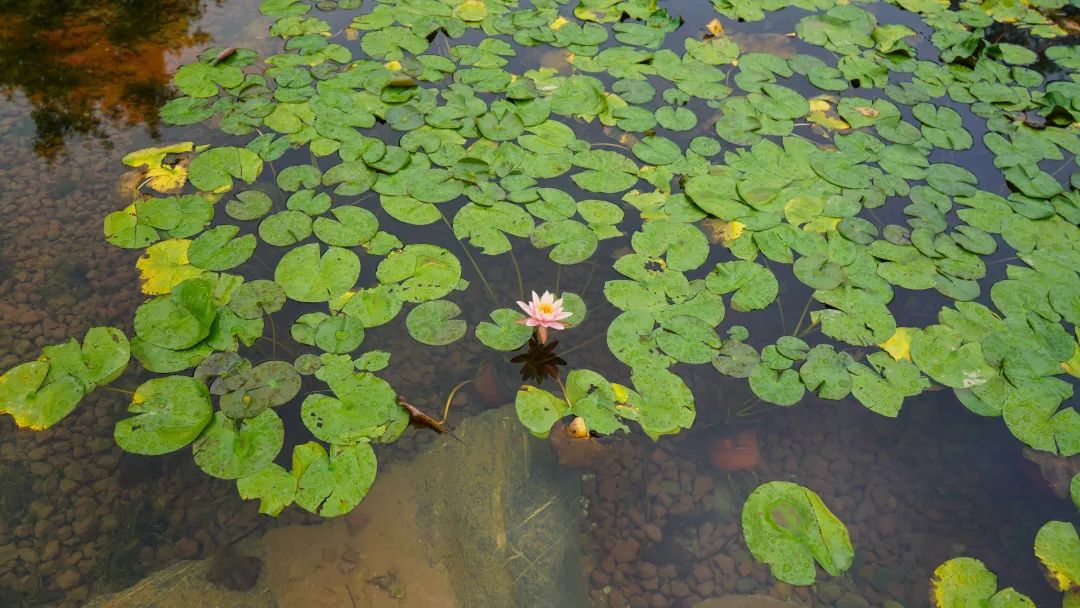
(571, 242)
(789, 528)
(364, 408)
(308, 277)
(373, 306)
(593, 398)
(30, 404)
(504, 332)
(433, 323)
(963, 581)
(688, 339)
(226, 372)
(249, 205)
(256, 298)
(538, 409)
(883, 385)
(352, 226)
(332, 484)
(737, 359)
(782, 387)
(269, 384)
(170, 413)
(663, 404)
(272, 485)
(421, 272)
(179, 320)
(214, 169)
(1058, 548)
(754, 285)
(285, 228)
(231, 449)
(106, 352)
(826, 372)
(220, 249)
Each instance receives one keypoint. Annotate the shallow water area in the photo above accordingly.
(654, 523)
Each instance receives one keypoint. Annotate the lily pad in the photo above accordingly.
(231, 449)
(754, 285)
(170, 413)
(1058, 548)
(269, 384)
(332, 484)
(179, 320)
(504, 332)
(434, 323)
(789, 528)
(422, 272)
(538, 409)
(364, 408)
(272, 485)
(307, 276)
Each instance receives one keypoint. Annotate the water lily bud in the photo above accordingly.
(577, 428)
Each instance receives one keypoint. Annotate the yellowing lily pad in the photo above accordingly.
(159, 176)
(165, 265)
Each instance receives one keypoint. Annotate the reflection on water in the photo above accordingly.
(82, 64)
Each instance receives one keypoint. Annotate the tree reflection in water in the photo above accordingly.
(84, 64)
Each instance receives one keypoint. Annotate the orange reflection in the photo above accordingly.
(84, 64)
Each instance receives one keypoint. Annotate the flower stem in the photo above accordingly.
(122, 391)
(802, 317)
(480, 273)
(566, 396)
(450, 398)
(517, 271)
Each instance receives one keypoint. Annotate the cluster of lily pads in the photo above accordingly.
(439, 112)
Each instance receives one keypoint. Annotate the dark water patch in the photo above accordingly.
(16, 485)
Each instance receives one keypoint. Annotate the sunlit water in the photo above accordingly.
(77, 518)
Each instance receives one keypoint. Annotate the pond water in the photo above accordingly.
(84, 84)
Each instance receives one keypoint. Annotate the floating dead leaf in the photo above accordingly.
(867, 112)
(774, 44)
(419, 418)
(722, 231)
(557, 59)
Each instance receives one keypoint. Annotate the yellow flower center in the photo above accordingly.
(545, 309)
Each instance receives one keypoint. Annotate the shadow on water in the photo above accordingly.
(82, 64)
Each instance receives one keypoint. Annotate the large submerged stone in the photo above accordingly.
(487, 521)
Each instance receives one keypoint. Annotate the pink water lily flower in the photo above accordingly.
(544, 312)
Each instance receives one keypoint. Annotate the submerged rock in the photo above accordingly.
(488, 521)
